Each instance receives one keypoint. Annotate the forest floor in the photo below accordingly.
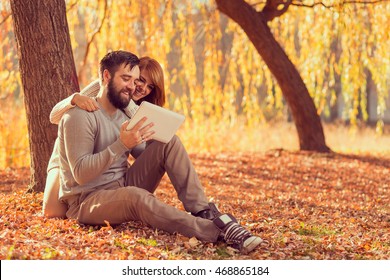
(303, 205)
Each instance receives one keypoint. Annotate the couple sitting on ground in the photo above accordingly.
(90, 180)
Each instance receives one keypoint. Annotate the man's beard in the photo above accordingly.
(114, 96)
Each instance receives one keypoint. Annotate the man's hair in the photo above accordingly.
(112, 60)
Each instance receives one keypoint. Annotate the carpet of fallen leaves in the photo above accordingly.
(304, 205)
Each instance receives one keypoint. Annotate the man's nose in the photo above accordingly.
(131, 86)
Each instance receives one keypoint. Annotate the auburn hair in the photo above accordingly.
(156, 74)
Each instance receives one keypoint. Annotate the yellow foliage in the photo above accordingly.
(14, 145)
(218, 89)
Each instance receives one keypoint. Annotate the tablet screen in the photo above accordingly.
(166, 122)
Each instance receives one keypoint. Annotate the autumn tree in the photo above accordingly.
(254, 23)
(47, 71)
(214, 74)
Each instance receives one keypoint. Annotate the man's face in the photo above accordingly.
(121, 87)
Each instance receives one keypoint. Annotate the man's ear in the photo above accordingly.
(106, 76)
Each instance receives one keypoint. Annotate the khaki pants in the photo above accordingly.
(132, 199)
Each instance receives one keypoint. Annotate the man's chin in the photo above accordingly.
(124, 95)
(120, 104)
(123, 105)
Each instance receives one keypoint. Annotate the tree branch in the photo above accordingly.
(299, 3)
(356, 2)
(5, 18)
(93, 36)
(160, 20)
(72, 6)
(275, 8)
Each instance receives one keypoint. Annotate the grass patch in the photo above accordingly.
(147, 242)
(222, 252)
(314, 230)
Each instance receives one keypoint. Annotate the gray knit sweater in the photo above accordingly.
(90, 151)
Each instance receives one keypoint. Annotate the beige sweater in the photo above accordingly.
(64, 105)
(90, 151)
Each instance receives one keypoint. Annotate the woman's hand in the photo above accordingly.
(84, 102)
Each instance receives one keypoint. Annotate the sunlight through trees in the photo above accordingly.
(212, 71)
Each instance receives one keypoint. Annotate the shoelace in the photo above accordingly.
(236, 233)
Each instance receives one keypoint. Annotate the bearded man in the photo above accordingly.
(97, 185)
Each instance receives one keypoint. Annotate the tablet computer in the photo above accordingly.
(166, 122)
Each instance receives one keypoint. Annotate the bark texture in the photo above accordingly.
(47, 71)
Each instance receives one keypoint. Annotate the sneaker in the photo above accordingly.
(235, 235)
(209, 214)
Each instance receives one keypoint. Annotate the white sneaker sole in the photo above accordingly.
(250, 244)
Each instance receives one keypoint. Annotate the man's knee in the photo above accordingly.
(175, 144)
(175, 139)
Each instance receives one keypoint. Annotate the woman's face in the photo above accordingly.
(143, 86)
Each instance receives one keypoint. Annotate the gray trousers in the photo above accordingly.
(132, 199)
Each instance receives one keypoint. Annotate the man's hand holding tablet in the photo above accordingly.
(165, 122)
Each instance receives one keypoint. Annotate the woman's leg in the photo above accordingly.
(52, 206)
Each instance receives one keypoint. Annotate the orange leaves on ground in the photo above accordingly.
(304, 206)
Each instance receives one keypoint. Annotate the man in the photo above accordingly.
(98, 186)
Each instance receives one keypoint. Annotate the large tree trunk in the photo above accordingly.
(48, 73)
(306, 118)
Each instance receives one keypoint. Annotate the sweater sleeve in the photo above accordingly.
(92, 89)
(64, 105)
(131, 109)
(60, 108)
(78, 130)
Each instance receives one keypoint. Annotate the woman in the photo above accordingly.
(150, 87)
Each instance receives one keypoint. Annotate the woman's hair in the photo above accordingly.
(157, 95)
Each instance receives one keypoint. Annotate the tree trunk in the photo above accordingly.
(306, 118)
(48, 73)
